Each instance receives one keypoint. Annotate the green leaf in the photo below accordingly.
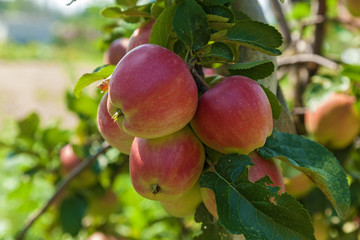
(217, 2)
(72, 210)
(352, 71)
(276, 107)
(254, 70)
(245, 208)
(219, 52)
(216, 18)
(221, 11)
(318, 163)
(162, 27)
(211, 229)
(191, 25)
(29, 125)
(116, 12)
(257, 35)
(88, 78)
(84, 105)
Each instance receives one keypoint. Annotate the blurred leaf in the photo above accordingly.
(276, 107)
(72, 210)
(29, 125)
(217, 2)
(352, 71)
(245, 207)
(126, 3)
(162, 27)
(116, 12)
(317, 162)
(211, 229)
(254, 70)
(54, 136)
(257, 35)
(83, 106)
(190, 24)
(100, 73)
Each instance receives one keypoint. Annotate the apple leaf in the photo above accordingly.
(191, 25)
(161, 30)
(254, 70)
(88, 78)
(318, 163)
(257, 35)
(211, 229)
(351, 71)
(219, 52)
(216, 18)
(72, 210)
(217, 2)
(116, 12)
(245, 208)
(276, 107)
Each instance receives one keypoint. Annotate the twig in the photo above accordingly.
(306, 58)
(71, 2)
(200, 82)
(61, 186)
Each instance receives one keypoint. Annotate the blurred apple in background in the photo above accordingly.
(141, 35)
(116, 51)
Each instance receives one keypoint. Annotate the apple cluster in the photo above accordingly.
(153, 112)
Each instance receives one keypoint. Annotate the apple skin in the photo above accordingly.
(141, 35)
(353, 6)
(116, 51)
(234, 116)
(335, 122)
(154, 90)
(184, 206)
(261, 168)
(109, 130)
(166, 168)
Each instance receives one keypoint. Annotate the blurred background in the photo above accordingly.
(46, 46)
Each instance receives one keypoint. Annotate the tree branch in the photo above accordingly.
(61, 186)
(306, 58)
(283, 25)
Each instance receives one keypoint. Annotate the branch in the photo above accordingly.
(306, 58)
(200, 82)
(284, 27)
(61, 186)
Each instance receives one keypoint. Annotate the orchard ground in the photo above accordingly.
(38, 86)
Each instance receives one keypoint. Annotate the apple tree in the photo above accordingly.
(222, 147)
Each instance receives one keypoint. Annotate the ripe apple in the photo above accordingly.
(109, 130)
(353, 6)
(141, 35)
(104, 204)
(166, 168)
(152, 92)
(185, 205)
(335, 122)
(261, 168)
(234, 116)
(116, 51)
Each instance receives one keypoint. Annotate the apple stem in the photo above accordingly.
(155, 188)
(116, 115)
(200, 82)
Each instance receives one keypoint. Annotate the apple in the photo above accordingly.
(335, 122)
(234, 116)
(261, 168)
(166, 168)
(141, 35)
(353, 6)
(185, 205)
(116, 51)
(109, 130)
(152, 92)
(104, 204)
(299, 185)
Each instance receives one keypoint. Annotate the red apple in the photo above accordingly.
(335, 122)
(69, 160)
(109, 130)
(102, 236)
(234, 116)
(116, 51)
(185, 205)
(166, 168)
(261, 168)
(141, 35)
(153, 92)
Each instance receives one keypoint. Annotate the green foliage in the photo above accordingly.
(254, 70)
(276, 107)
(318, 163)
(256, 216)
(72, 210)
